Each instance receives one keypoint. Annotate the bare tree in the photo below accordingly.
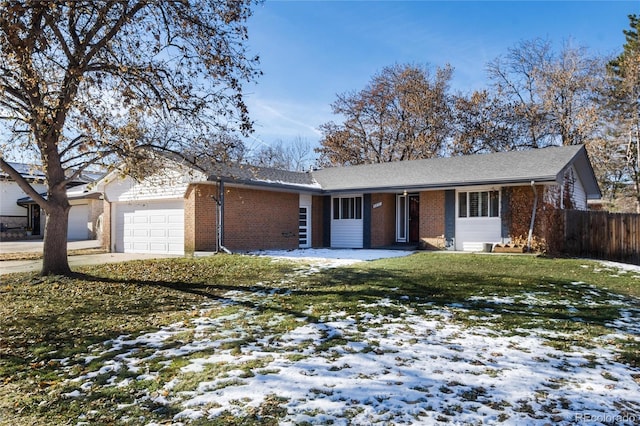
(608, 157)
(567, 86)
(624, 103)
(221, 147)
(549, 96)
(482, 124)
(404, 113)
(85, 82)
(293, 156)
(513, 79)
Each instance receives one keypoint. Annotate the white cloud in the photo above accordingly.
(277, 119)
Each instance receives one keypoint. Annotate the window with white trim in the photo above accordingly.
(347, 208)
(479, 204)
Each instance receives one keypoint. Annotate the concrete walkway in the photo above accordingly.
(30, 246)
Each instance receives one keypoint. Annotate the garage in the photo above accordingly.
(149, 227)
(78, 222)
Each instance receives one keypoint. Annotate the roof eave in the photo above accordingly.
(444, 185)
(266, 184)
(26, 201)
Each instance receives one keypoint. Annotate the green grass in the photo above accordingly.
(43, 320)
(451, 280)
(570, 296)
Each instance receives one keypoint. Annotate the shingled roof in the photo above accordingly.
(545, 165)
(34, 172)
(263, 176)
(515, 167)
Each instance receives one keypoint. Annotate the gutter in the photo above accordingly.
(438, 186)
(220, 218)
(340, 188)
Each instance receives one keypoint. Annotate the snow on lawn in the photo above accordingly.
(415, 369)
(419, 367)
(622, 267)
(332, 258)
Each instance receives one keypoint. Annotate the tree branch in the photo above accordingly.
(22, 183)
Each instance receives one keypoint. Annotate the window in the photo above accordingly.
(303, 227)
(494, 204)
(347, 208)
(462, 204)
(479, 204)
(402, 218)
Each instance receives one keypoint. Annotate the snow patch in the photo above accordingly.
(332, 258)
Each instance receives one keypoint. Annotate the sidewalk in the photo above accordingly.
(11, 266)
(30, 246)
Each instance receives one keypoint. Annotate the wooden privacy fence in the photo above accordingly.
(602, 235)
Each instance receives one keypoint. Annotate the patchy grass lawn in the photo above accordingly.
(432, 338)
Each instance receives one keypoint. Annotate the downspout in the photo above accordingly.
(220, 218)
(533, 215)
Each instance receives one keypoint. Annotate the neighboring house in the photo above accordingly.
(462, 203)
(20, 216)
(15, 218)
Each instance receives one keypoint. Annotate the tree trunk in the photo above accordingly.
(54, 256)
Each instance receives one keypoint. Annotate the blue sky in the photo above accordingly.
(313, 50)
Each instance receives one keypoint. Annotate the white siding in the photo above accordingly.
(557, 194)
(472, 232)
(578, 195)
(171, 183)
(305, 200)
(10, 192)
(346, 233)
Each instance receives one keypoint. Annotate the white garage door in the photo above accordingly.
(150, 227)
(78, 222)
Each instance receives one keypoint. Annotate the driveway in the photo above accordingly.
(30, 246)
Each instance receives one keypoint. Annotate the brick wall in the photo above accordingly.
(254, 219)
(106, 225)
(13, 228)
(521, 200)
(547, 227)
(257, 219)
(432, 219)
(383, 220)
(95, 210)
(200, 218)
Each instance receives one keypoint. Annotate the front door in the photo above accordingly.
(414, 218)
(34, 219)
(407, 218)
